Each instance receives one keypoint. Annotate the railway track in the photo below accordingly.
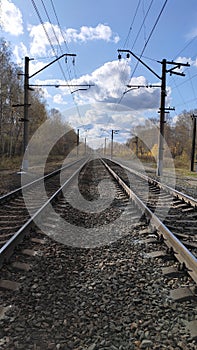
(20, 208)
(97, 225)
(173, 215)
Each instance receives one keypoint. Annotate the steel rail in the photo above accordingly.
(180, 195)
(7, 249)
(13, 193)
(183, 255)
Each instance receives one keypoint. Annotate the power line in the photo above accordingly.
(150, 35)
(51, 44)
(55, 35)
(62, 33)
(131, 26)
(147, 12)
(64, 40)
(67, 48)
(183, 49)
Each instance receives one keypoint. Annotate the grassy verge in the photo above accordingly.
(10, 163)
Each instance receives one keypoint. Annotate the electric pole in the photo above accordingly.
(25, 120)
(162, 100)
(162, 120)
(26, 104)
(112, 140)
(105, 146)
(193, 142)
(77, 142)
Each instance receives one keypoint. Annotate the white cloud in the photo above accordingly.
(100, 32)
(98, 120)
(59, 99)
(40, 42)
(11, 18)
(20, 51)
(110, 82)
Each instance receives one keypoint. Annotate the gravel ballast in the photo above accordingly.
(112, 297)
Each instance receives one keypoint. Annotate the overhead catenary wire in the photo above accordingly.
(127, 39)
(151, 33)
(67, 48)
(46, 33)
(52, 46)
(127, 43)
(64, 40)
(146, 43)
(143, 22)
(62, 32)
(55, 35)
(132, 23)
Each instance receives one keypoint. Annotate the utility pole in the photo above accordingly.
(162, 120)
(77, 142)
(26, 104)
(193, 142)
(105, 146)
(25, 118)
(112, 140)
(136, 142)
(162, 101)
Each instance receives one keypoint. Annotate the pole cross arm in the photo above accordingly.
(176, 73)
(49, 64)
(143, 86)
(171, 71)
(179, 64)
(63, 85)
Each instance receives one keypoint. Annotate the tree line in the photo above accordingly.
(177, 134)
(11, 116)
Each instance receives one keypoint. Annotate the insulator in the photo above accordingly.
(128, 55)
(119, 56)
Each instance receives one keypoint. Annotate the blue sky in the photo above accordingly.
(94, 31)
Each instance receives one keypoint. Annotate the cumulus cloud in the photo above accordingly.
(58, 98)
(20, 51)
(97, 121)
(109, 85)
(100, 32)
(40, 43)
(11, 18)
